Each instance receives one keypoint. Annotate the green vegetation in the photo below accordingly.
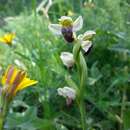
(37, 50)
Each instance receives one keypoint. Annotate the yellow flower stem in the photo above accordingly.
(3, 113)
(1, 122)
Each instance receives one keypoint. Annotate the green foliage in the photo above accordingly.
(40, 107)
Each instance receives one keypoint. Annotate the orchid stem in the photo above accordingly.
(83, 77)
(82, 113)
(82, 70)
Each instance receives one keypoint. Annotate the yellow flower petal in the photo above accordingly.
(9, 77)
(2, 39)
(25, 83)
(9, 37)
(12, 78)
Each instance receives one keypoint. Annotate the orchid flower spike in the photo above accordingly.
(68, 93)
(67, 59)
(85, 40)
(67, 27)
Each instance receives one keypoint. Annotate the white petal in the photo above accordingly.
(86, 45)
(67, 59)
(70, 92)
(65, 18)
(61, 92)
(67, 92)
(55, 28)
(78, 24)
(88, 34)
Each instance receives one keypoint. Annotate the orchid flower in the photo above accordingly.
(68, 93)
(85, 40)
(67, 27)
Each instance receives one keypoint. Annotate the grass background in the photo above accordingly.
(40, 107)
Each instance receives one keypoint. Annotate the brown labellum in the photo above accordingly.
(69, 101)
(68, 34)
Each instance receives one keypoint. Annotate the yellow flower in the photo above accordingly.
(15, 80)
(7, 38)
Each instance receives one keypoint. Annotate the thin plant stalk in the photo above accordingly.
(82, 70)
(34, 7)
(124, 97)
(82, 113)
(3, 113)
(123, 106)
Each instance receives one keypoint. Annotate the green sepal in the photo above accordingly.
(83, 76)
(76, 51)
